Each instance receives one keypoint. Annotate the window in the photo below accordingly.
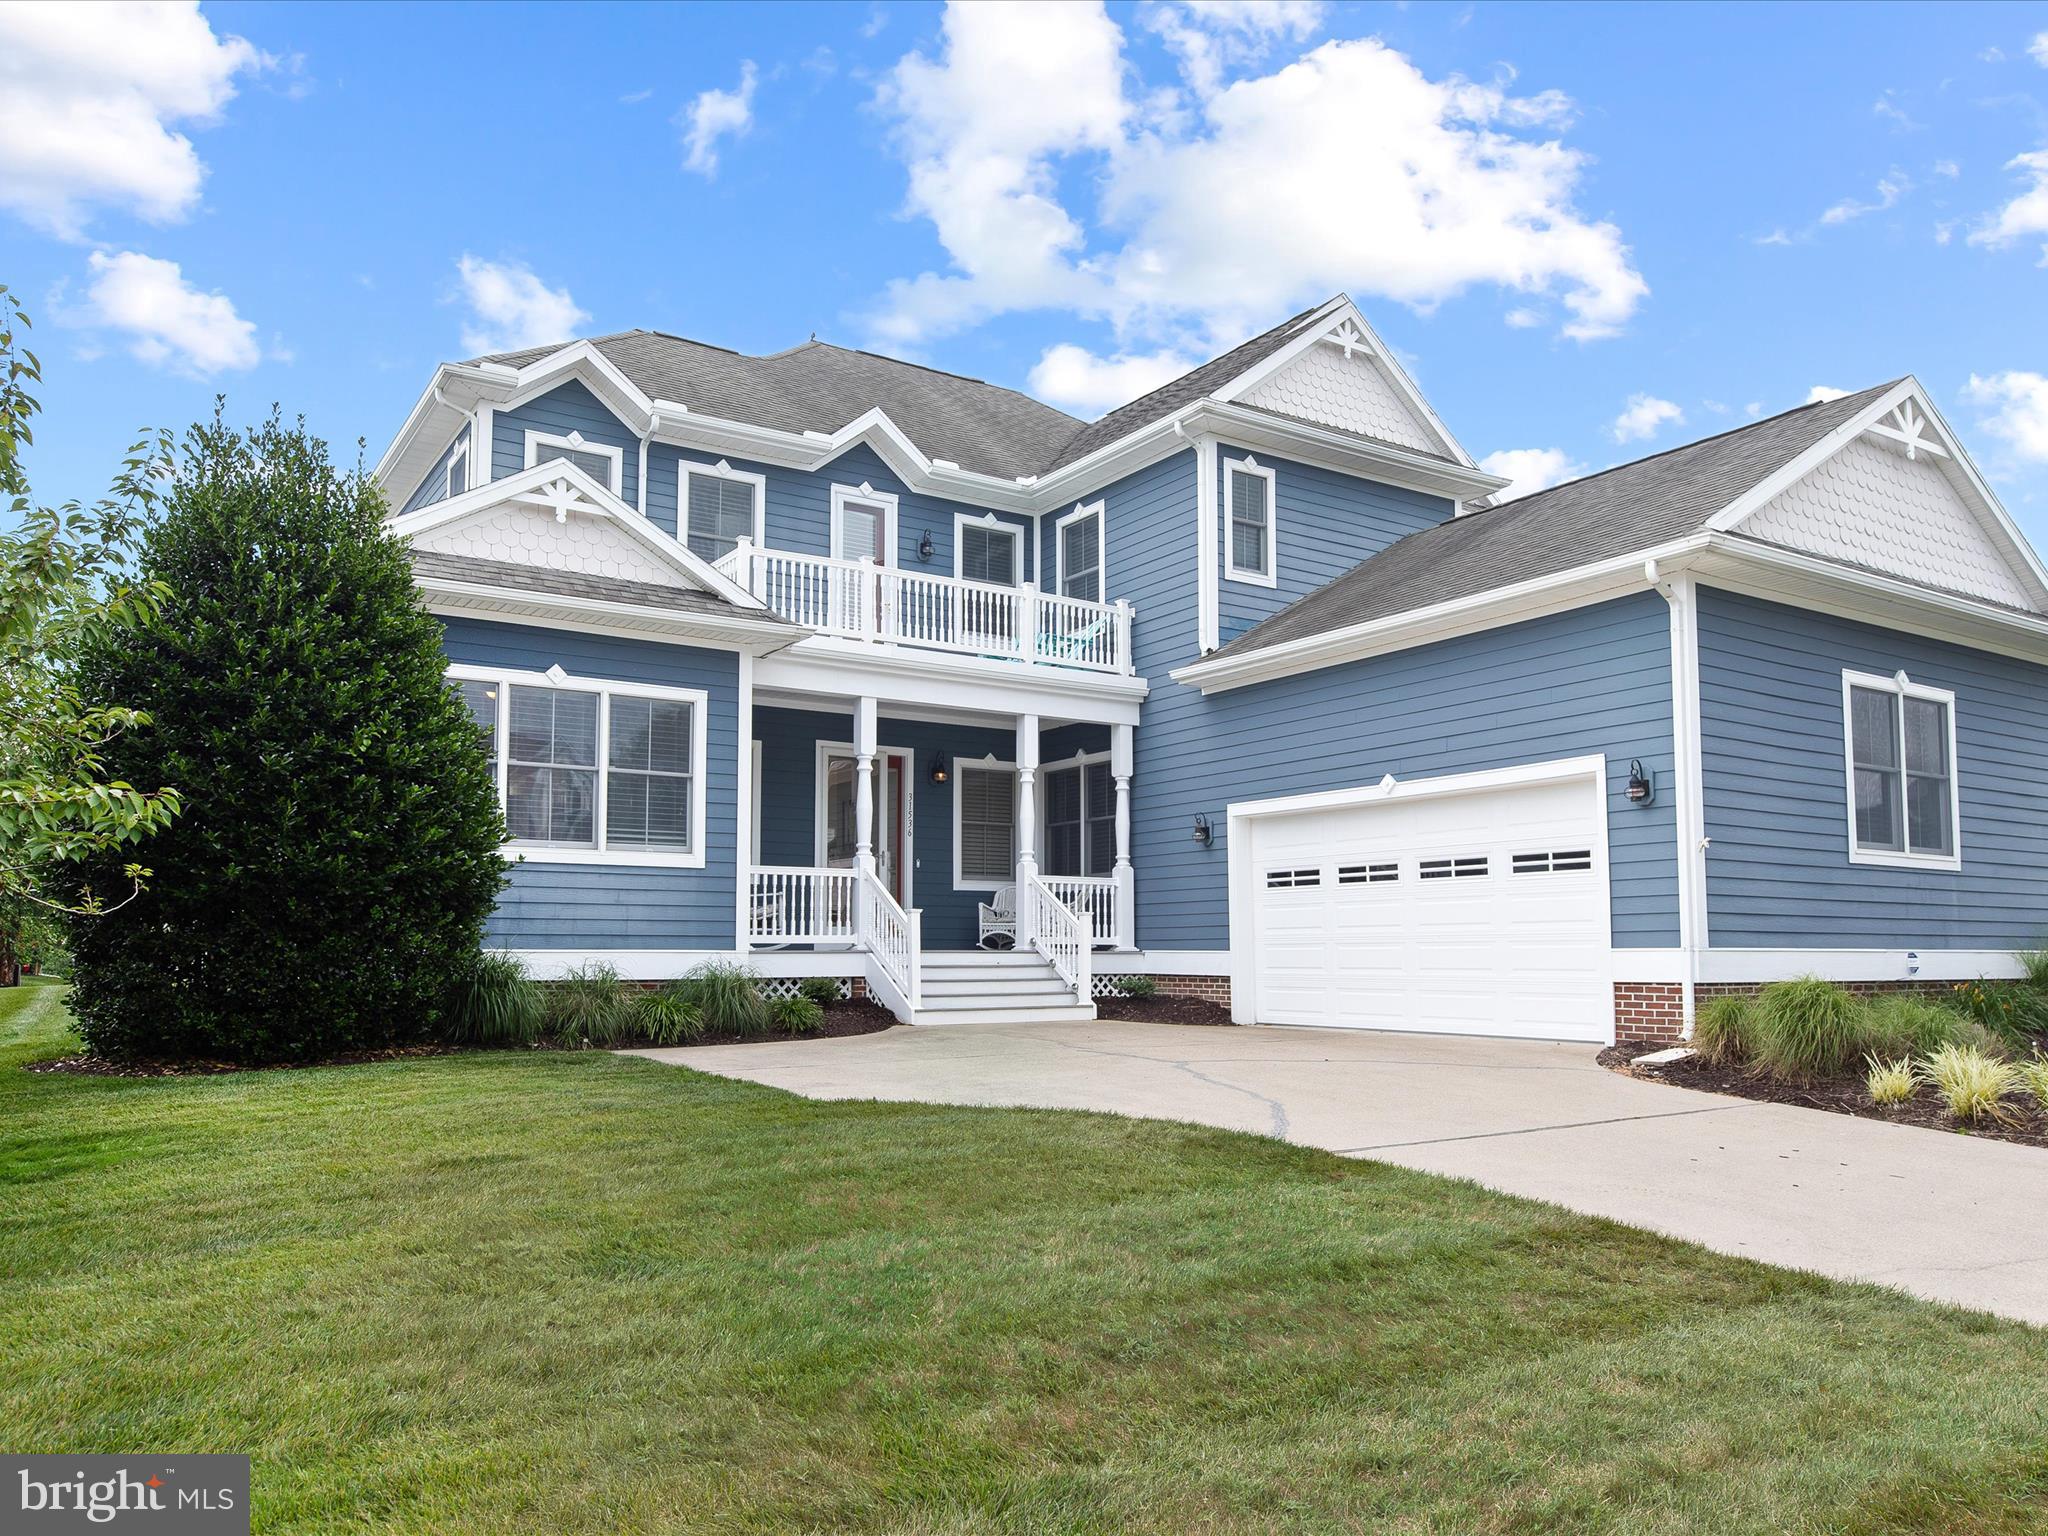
(458, 469)
(1079, 538)
(1080, 819)
(1248, 539)
(1367, 874)
(990, 552)
(1901, 767)
(984, 825)
(592, 772)
(863, 525)
(602, 463)
(1553, 861)
(1292, 879)
(1453, 869)
(721, 506)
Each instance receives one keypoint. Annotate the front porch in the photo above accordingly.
(922, 844)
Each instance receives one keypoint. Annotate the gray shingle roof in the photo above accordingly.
(561, 583)
(1617, 512)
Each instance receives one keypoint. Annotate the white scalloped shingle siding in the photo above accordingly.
(1323, 385)
(531, 536)
(1878, 508)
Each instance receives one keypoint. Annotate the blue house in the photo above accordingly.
(849, 667)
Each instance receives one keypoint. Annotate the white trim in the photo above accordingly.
(1689, 790)
(988, 522)
(1207, 599)
(1074, 762)
(839, 668)
(886, 534)
(1755, 966)
(1270, 577)
(718, 470)
(1096, 509)
(555, 678)
(989, 765)
(483, 446)
(1162, 962)
(905, 834)
(536, 440)
(1901, 688)
(1239, 838)
(754, 845)
(746, 814)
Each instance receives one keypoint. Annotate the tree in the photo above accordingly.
(337, 854)
(65, 580)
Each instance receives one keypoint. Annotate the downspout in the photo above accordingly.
(1688, 809)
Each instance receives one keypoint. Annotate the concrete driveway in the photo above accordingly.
(1947, 1217)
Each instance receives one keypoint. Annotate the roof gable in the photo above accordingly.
(1338, 385)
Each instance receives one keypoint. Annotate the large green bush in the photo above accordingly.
(326, 885)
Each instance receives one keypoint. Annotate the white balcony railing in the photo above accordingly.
(861, 601)
(842, 909)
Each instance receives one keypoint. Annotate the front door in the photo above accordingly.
(892, 816)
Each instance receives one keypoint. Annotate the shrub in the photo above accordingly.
(325, 885)
(1807, 1027)
(494, 1003)
(591, 1006)
(822, 990)
(1889, 1082)
(1970, 1082)
(1136, 986)
(2033, 1076)
(2035, 963)
(1721, 1030)
(796, 1016)
(667, 1015)
(2012, 1010)
(1916, 1026)
(728, 997)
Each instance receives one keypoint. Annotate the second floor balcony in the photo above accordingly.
(857, 600)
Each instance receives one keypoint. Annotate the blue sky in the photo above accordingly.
(1591, 232)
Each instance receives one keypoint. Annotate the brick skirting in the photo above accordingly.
(1214, 989)
(1649, 1013)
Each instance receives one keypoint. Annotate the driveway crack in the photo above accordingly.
(1531, 1130)
(1274, 1107)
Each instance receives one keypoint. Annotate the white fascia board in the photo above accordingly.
(582, 360)
(829, 666)
(1575, 588)
(734, 632)
(1987, 499)
(1329, 448)
(438, 414)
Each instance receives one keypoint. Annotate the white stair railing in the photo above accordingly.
(1094, 898)
(894, 942)
(790, 905)
(1059, 933)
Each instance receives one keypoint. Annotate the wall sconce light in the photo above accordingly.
(1640, 790)
(924, 547)
(1203, 836)
(939, 774)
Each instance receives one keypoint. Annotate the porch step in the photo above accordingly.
(1071, 1013)
(995, 986)
(1005, 988)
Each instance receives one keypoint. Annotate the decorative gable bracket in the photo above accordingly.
(1906, 426)
(1346, 336)
(561, 497)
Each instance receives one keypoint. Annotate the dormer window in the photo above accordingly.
(1249, 541)
(1080, 554)
(721, 506)
(600, 461)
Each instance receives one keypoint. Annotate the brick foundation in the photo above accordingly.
(1649, 1013)
(1213, 989)
(1917, 988)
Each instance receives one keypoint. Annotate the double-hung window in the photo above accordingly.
(984, 825)
(602, 462)
(1080, 820)
(592, 772)
(1080, 553)
(1249, 535)
(1901, 746)
(721, 506)
(987, 552)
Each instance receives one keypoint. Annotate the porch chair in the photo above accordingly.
(999, 919)
(1075, 645)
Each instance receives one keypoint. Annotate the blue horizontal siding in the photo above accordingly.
(1593, 681)
(1776, 790)
(615, 906)
(569, 407)
(434, 482)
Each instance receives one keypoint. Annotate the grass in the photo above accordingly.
(569, 1292)
(1971, 1083)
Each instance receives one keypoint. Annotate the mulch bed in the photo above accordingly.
(1162, 1010)
(1841, 1095)
(849, 1017)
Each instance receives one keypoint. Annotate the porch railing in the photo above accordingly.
(893, 939)
(861, 601)
(789, 905)
(1093, 899)
(1057, 932)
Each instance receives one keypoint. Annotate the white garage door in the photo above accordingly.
(1470, 913)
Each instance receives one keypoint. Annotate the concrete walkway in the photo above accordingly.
(1947, 1217)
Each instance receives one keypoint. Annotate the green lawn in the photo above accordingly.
(561, 1293)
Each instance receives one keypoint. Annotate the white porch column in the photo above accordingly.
(1126, 877)
(864, 731)
(1027, 820)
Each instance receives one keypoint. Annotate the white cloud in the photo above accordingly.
(87, 97)
(1530, 470)
(1890, 189)
(1076, 380)
(1820, 392)
(1523, 318)
(1901, 120)
(1643, 417)
(1346, 169)
(1208, 36)
(511, 308)
(716, 115)
(1947, 168)
(2037, 50)
(2026, 214)
(2016, 410)
(168, 322)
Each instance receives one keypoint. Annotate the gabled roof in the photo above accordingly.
(1635, 506)
(517, 576)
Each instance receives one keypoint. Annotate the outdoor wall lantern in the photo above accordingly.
(1203, 836)
(939, 774)
(1640, 789)
(924, 547)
